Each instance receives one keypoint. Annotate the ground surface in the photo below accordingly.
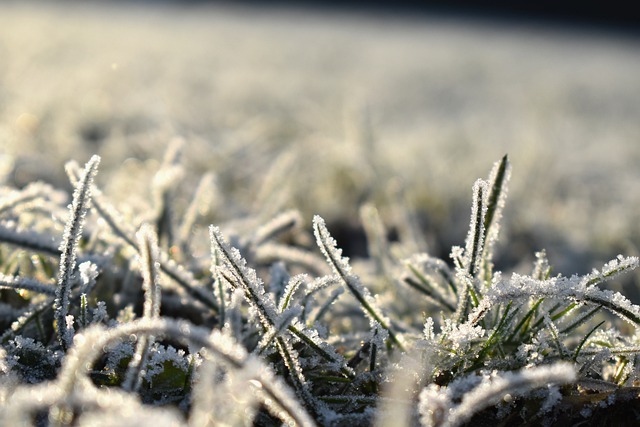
(346, 107)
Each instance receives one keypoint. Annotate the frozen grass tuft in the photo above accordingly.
(258, 329)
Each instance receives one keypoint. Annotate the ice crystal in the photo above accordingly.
(289, 291)
(31, 360)
(88, 274)
(99, 313)
(161, 355)
(427, 330)
(611, 270)
(461, 336)
(542, 269)
(245, 278)
(533, 354)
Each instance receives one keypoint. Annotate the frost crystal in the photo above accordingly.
(428, 329)
(262, 304)
(289, 291)
(462, 335)
(533, 354)
(611, 270)
(88, 275)
(99, 313)
(553, 398)
(31, 360)
(161, 355)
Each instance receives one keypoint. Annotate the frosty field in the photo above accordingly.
(197, 202)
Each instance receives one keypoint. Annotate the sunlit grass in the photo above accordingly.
(476, 341)
(276, 230)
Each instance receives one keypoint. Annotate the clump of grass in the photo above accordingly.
(125, 321)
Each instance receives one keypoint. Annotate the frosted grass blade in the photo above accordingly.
(270, 319)
(199, 202)
(573, 288)
(490, 393)
(89, 344)
(497, 185)
(181, 276)
(293, 285)
(69, 248)
(342, 269)
(247, 280)
(149, 266)
(30, 240)
(476, 236)
(278, 225)
(24, 283)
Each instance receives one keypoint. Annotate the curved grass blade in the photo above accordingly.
(490, 393)
(90, 343)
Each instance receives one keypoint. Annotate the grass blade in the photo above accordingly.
(69, 248)
(148, 243)
(497, 183)
(341, 268)
(178, 274)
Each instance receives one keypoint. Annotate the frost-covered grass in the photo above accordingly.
(127, 321)
(290, 258)
(364, 108)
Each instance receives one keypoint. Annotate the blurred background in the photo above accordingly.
(325, 106)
